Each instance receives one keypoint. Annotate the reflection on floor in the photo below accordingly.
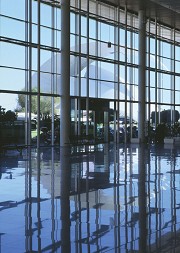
(104, 198)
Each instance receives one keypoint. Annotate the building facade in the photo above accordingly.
(83, 66)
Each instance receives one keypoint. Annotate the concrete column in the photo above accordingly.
(142, 75)
(65, 73)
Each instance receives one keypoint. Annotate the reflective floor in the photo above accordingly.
(103, 198)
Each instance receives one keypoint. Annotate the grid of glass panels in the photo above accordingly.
(104, 66)
(29, 65)
(104, 59)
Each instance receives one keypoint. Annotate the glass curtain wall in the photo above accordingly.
(105, 64)
(162, 75)
(109, 37)
(103, 74)
(29, 70)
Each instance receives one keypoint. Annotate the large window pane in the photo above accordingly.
(16, 29)
(8, 101)
(46, 12)
(14, 9)
(12, 79)
(12, 55)
(105, 90)
(46, 36)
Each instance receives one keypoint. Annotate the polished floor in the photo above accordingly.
(96, 199)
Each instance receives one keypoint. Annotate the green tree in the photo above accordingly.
(22, 102)
(10, 116)
(45, 103)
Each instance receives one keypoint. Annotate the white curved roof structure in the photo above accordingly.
(101, 49)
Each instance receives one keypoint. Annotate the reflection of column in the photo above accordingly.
(131, 195)
(116, 211)
(142, 201)
(156, 199)
(28, 203)
(65, 73)
(88, 206)
(142, 74)
(65, 202)
(126, 179)
(52, 196)
(39, 223)
(173, 198)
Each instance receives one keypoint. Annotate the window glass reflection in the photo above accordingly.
(16, 29)
(12, 79)
(15, 51)
(14, 9)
